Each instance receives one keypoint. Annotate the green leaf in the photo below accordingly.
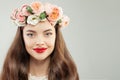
(42, 15)
(59, 21)
(29, 9)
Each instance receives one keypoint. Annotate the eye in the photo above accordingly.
(30, 35)
(48, 34)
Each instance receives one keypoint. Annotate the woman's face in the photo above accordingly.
(39, 40)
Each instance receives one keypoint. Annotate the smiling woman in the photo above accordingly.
(38, 51)
(39, 40)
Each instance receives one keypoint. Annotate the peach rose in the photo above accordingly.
(48, 8)
(54, 13)
(37, 7)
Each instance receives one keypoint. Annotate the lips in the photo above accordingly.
(40, 50)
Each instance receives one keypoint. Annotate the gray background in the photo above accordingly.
(93, 36)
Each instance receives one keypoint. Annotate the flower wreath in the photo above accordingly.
(36, 11)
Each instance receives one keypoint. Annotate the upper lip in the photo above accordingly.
(40, 48)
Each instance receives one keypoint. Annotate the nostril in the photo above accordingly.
(39, 42)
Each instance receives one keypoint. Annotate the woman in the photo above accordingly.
(38, 51)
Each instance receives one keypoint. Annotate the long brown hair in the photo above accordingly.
(16, 65)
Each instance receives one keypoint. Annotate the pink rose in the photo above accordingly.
(14, 14)
(24, 10)
(20, 17)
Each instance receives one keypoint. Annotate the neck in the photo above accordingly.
(39, 68)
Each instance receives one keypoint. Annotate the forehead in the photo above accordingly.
(41, 26)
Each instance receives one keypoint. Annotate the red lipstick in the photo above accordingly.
(39, 50)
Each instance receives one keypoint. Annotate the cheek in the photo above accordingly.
(28, 43)
(51, 42)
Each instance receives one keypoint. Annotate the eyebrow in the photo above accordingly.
(31, 31)
(48, 30)
(35, 31)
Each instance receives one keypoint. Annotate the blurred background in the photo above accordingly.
(92, 37)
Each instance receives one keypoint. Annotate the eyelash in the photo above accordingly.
(48, 34)
(30, 34)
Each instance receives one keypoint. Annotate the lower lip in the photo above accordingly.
(40, 50)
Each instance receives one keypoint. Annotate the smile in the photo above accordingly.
(40, 50)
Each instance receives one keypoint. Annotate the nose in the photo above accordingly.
(39, 41)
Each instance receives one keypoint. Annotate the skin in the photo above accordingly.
(39, 36)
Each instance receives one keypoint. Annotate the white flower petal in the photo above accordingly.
(65, 21)
(19, 24)
(33, 19)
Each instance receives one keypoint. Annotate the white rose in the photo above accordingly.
(65, 21)
(19, 24)
(33, 19)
